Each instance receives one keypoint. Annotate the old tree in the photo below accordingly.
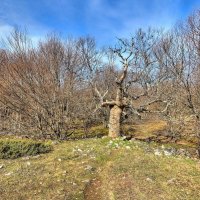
(140, 79)
(120, 102)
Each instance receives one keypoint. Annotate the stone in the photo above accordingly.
(1, 166)
(86, 181)
(171, 181)
(8, 174)
(26, 158)
(89, 168)
(167, 153)
(37, 156)
(157, 152)
(149, 180)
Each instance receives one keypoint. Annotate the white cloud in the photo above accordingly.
(104, 19)
(21, 14)
(123, 18)
(5, 30)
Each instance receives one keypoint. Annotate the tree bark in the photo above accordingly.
(115, 121)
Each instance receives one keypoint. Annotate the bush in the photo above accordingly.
(14, 148)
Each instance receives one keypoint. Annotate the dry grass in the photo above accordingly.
(143, 177)
(145, 129)
(112, 169)
(62, 174)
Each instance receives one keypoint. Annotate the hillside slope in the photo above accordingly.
(101, 169)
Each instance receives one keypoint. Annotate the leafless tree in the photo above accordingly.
(45, 87)
(139, 78)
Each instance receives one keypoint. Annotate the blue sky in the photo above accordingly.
(103, 19)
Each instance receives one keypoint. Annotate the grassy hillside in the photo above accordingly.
(101, 169)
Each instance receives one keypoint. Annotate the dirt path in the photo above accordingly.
(93, 190)
(97, 189)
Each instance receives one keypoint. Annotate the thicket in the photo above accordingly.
(14, 148)
(61, 85)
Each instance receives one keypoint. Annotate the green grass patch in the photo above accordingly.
(109, 169)
(14, 148)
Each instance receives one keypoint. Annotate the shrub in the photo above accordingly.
(14, 148)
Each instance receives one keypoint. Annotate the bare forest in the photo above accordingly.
(64, 84)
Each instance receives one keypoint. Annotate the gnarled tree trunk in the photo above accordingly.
(115, 121)
(117, 105)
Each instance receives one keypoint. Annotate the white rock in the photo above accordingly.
(86, 181)
(116, 145)
(123, 138)
(88, 167)
(37, 156)
(128, 147)
(1, 166)
(149, 180)
(167, 153)
(26, 158)
(171, 181)
(64, 172)
(157, 152)
(8, 174)
(93, 157)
